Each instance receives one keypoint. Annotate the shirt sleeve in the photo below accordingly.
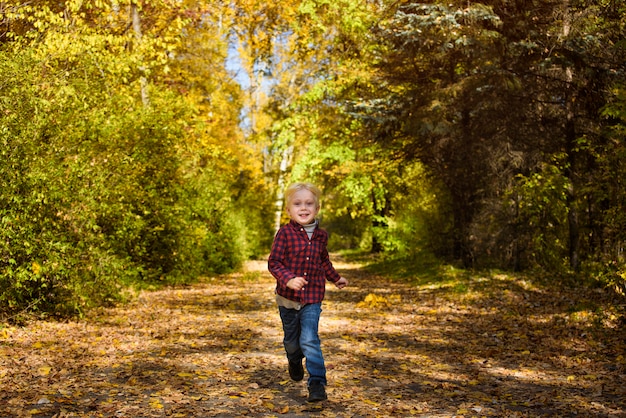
(329, 270)
(277, 259)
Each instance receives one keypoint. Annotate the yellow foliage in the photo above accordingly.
(373, 301)
(376, 301)
(44, 370)
(155, 403)
(36, 268)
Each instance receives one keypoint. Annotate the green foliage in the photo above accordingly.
(100, 192)
(369, 200)
(541, 214)
(401, 111)
(421, 222)
(484, 95)
(611, 274)
(52, 248)
(608, 266)
(611, 157)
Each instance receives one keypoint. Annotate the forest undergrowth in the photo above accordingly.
(494, 345)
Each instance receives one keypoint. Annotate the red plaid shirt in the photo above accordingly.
(295, 255)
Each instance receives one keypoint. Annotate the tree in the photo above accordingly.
(485, 94)
(103, 189)
(432, 56)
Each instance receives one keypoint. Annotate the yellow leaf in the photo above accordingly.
(36, 268)
(571, 378)
(37, 345)
(184, 374)
(156, 403)
(373, 301)
(45, 370)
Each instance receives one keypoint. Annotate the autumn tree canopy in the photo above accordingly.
(489, 134)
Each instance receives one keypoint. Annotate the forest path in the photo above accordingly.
(489, 347)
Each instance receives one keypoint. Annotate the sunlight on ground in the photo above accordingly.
(393, 348)
(255, 265)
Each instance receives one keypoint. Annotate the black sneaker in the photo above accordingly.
(316, 392)
(296, 371)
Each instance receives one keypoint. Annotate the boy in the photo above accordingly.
(299, 261)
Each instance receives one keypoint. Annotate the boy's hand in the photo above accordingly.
(297, 283)
(341, 283)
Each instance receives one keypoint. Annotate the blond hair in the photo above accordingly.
(296, 187)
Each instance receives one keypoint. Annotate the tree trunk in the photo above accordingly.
(461, 248)
(145, 99)
(570, 149)
(280, 195)
(572, 207)
(380, 222)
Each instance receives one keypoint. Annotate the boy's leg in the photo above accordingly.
(291, 341)
(310, 343)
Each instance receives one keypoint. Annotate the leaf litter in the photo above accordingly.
(503, 347)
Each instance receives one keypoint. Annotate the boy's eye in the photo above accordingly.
(298, 203)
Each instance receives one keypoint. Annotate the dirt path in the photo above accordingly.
(499, 347)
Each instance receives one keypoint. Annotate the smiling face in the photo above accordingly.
(303, 207)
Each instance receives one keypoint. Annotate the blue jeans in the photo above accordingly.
(301, 339)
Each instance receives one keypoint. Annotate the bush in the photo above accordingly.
(99, 192)
(609, 274)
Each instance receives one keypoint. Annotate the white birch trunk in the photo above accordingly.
(143, 82)
(280, 195)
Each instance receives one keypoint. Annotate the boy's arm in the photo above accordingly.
(341, 283)
(327, 265)
(276, 264)
(331, 274)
